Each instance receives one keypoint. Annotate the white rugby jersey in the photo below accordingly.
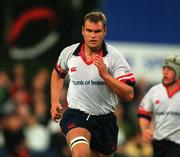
(166, 111)
(87, 90)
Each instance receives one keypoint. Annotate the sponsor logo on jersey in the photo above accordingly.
(157, 102)
(73, 69)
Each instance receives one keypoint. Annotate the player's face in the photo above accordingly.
(93, 34)
(168, 76)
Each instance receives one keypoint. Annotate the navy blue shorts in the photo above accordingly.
(165, 148)
(103, 129)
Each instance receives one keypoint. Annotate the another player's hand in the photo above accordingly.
(147, 135)
(56, 112)
(99, 63)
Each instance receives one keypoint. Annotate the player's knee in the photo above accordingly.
(80, 153)
(80, 147)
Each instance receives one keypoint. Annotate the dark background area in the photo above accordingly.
(67, 25)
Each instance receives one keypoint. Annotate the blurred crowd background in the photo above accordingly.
(33, 33)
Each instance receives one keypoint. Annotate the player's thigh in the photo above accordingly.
(96, 154)
(78, 140)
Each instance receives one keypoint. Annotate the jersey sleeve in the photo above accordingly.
(121, 70)
(145, 108)
(61, 66)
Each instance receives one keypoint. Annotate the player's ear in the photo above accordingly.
(82, 30)
(105, 31)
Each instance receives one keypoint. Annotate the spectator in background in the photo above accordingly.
(15, 142)
(40, 81)
(20, 94)
(10, 121)
(98, 73)
(40, 108)
(37, 137)
(159, 111)
(18, 78)
(40, 99)
(5, 86)
(24, 116)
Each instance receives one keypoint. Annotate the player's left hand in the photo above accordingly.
(99, 63)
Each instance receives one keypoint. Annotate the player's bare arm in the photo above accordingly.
(56, 87)
(146, 129)
(120, 88)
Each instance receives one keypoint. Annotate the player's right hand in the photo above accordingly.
(56, 112)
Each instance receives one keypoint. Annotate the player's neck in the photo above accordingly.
(88, 55)
(90, 51)
(175, 87)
